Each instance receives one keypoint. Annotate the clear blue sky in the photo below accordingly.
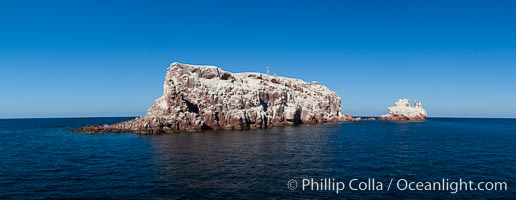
(108, 58)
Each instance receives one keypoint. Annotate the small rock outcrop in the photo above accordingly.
(207, 97)
(402, 111)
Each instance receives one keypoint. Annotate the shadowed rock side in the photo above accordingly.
(402, 111)
(206, 97)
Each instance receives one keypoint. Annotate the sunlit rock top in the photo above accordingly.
(403, 111)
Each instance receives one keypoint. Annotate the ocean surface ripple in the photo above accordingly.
(42, 158)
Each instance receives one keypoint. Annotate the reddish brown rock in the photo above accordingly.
(206, 97)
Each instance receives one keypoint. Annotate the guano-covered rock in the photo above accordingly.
(207, 97)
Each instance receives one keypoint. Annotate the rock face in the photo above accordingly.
(403, 111)
(207, 97)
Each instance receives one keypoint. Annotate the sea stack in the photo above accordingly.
(402, 111)
(209, 98)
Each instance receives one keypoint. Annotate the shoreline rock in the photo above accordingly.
(209, 98)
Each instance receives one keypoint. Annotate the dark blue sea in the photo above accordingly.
(43, 158)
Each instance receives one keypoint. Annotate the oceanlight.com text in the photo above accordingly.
(371, 184)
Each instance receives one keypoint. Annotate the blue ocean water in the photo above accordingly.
(42, 158)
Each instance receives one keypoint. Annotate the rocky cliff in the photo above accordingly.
(403, 111)
(207, 97)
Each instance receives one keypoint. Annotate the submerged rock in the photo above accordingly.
(207, 97)
(403, 111)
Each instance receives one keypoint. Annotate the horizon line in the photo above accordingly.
(72, 117)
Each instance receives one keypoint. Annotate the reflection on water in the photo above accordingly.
(44, 160)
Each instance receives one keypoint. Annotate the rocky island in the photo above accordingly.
(402, 111)
(207, 97)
